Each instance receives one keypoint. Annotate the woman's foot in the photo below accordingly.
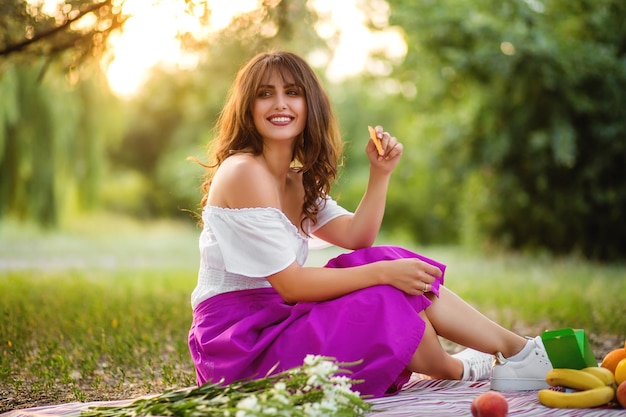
(524, 371)
(476, 365)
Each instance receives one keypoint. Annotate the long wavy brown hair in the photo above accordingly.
(317, 151)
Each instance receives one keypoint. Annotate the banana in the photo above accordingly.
(604, 374)
(594, 397)
(573, 378)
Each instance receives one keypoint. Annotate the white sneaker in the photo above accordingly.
(524, 375)
(476, 365)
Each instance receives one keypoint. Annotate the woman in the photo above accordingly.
(258, 309)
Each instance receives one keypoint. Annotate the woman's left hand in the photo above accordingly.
(392, 150)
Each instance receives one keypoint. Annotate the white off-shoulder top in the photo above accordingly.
(239, 248)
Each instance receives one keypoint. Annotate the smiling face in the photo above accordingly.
(279, 110)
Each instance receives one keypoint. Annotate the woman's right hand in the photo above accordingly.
(413, 276)
(386, 163)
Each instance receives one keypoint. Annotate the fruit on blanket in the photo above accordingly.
(490, 404)
(620, 372)
(614, 357)
(620, 394)
(573, 378)
(580, 399)
(604, 374)
(379, 146)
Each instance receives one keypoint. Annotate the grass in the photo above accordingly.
(101, 311)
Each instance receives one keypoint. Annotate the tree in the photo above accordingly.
(55, 109)
(532, 104)
(73, 32)
(51, 143)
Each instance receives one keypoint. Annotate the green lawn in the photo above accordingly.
(89, 315)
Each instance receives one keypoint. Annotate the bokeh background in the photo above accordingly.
(512, 114)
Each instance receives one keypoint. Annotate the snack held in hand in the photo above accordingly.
(379, 145)
(490, 404)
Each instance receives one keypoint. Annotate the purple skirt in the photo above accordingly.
(244, 334)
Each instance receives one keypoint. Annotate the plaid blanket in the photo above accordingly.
(424, 397)
(419, 397)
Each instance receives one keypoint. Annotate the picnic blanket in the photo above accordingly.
(419, 397)
(436, 397)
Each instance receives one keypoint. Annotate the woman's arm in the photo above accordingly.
(360, 230)
(296, 283)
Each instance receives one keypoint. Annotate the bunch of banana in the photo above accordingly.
(594, 386)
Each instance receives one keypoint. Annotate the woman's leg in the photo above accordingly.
(451, 317)
(457, 321)
(431, 359)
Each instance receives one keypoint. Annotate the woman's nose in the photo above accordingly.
(280, 102)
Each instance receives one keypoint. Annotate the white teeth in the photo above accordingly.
(280, 119)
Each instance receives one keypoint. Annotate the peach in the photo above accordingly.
(490, 404)
(620, 394)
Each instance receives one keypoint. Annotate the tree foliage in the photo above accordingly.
(76, 30)
(534, 98)
(55, 110)
(512, 115)
(51, 143)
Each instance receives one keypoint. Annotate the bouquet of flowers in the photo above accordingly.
(310, 390)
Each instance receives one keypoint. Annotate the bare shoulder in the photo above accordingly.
(241, 165)
(242, 181)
